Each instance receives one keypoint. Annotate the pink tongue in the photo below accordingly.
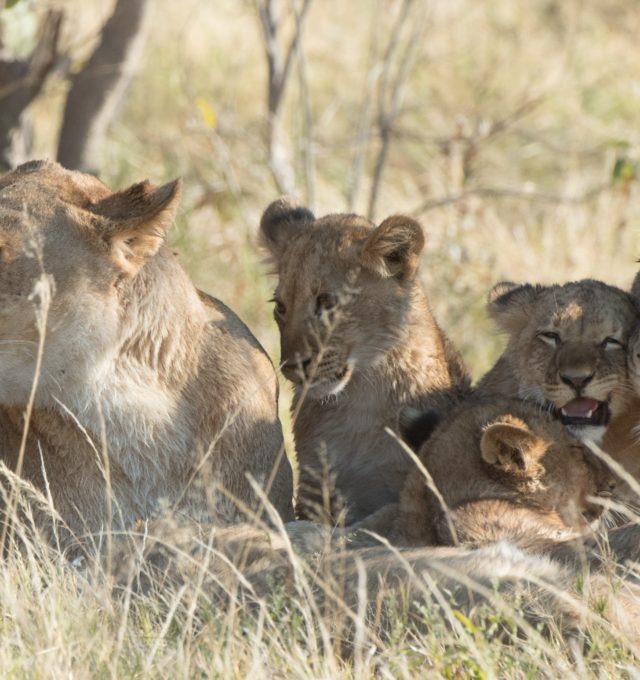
(580, 408)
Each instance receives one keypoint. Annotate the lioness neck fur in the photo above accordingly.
(360, 344)
(147, 388)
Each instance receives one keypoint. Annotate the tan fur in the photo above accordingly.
(359, 342)
(592, 322)
(622, 443)
(505, 470)
(144, 380)
(622, 440)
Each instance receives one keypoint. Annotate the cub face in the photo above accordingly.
(344, 289)
(66, 242)
(568, 348)
(539, 460)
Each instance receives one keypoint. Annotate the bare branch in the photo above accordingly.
(266, 12)
(306, 141)
(363, 134)
(293, 47)
(279, 68)
(391, 90)
(509, 192)
(21, 82)
(98, 89)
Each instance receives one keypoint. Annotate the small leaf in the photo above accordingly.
(466, 622)
(8, 4)
(207, 112)
(624, 171)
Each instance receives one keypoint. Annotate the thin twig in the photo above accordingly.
(306, 141)
(279, 67)
(364, 131)
(509, 192)
(391, 91)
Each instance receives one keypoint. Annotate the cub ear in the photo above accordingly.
(509, 304)
(511, 447)
(393, 249)
(138, 219)
(280, 222)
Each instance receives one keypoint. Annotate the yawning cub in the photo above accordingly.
(566, 350)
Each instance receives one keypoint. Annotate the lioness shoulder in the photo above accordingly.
(147, 392)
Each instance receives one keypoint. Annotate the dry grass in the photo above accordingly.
(509, 121)
(185, 603)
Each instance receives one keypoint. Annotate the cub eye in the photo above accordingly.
(279, 309)
(611, 343)
(550, 338)
(325, 302)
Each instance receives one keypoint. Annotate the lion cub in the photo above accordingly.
(359, 343)
(505, 469)
(566, 350)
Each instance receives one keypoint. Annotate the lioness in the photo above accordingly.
(505, 469)
(359, 342)
(566, 350)
(143, 389)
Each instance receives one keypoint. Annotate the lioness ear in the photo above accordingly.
(511, 446)
(508, 304)
(138, 219)
(280, 222)
(393, 248)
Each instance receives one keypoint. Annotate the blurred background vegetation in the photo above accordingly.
(510, 129)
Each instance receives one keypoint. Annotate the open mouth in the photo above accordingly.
(585, 412)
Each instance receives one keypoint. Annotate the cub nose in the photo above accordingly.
(576, 379)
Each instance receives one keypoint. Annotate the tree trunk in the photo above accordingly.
(98, 89)
(20, 83)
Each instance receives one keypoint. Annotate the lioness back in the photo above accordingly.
(148, 393)
(359, 344)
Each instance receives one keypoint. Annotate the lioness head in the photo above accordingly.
(542, 462)
(343, 291)
(70, 252)
(567, 348)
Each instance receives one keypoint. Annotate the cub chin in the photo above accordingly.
(360, 344)
(504, 469)
(566, 350)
